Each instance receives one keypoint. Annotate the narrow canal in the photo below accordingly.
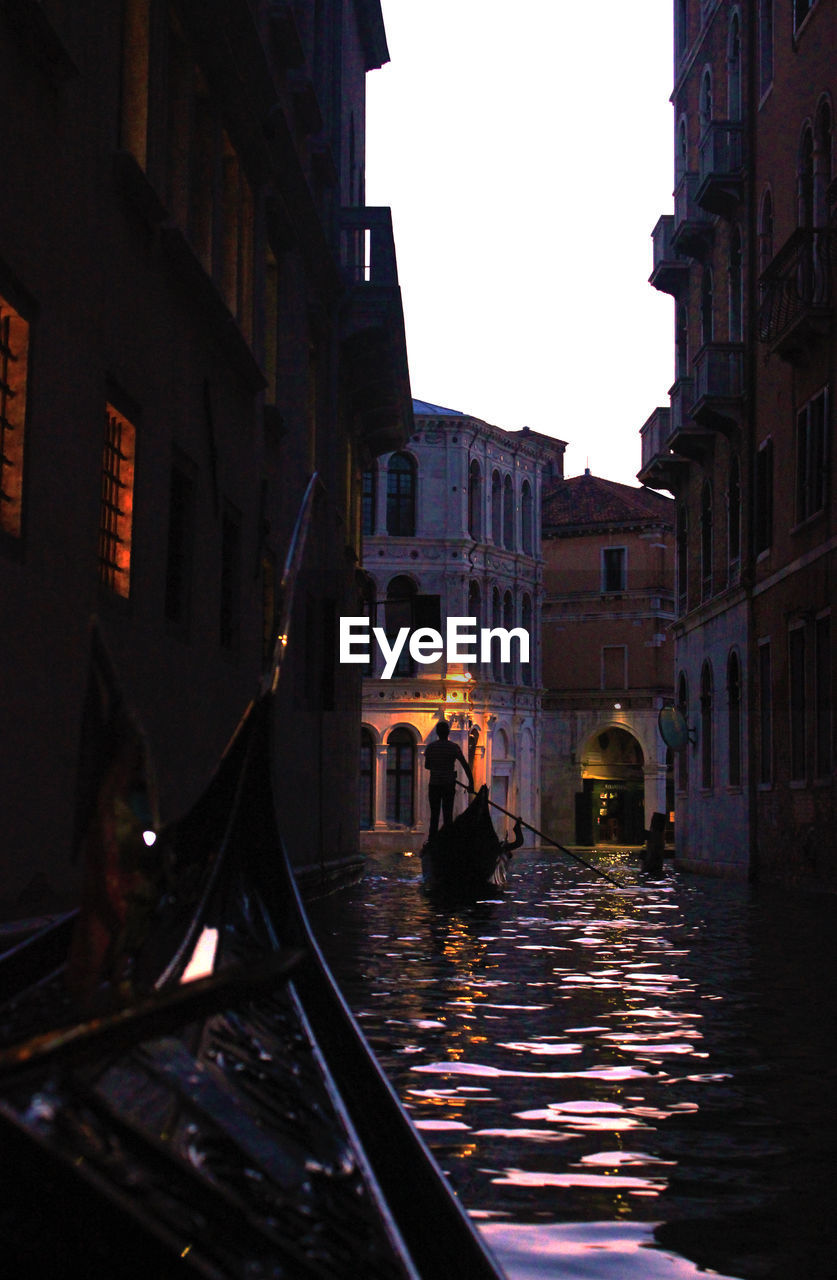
(620, 1085)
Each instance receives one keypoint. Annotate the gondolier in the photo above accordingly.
(441, 758)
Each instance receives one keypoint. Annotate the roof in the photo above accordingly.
(422, 408)
(586, 501)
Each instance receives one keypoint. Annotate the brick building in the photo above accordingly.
(746, 444)
(196, 312)
(608, 603)
(452, 529)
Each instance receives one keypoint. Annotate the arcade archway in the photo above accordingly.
(610, 807)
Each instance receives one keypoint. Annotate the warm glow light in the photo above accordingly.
(150, 837)
(203, 957)
(617, 706)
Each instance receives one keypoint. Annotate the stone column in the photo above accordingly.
(380, 787)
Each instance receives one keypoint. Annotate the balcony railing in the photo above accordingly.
(721, 167)
(797, 292)
(719, 385)
(670, 273)
(692, 232)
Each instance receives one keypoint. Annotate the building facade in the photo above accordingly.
(608, 606)
(197, 312)
(452, 529)
(746, 443)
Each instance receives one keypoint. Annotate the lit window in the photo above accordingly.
(117, 506)
(14, 353)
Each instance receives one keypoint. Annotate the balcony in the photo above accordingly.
(660, 467)
(797, 294)
(373, 344)
(671, 269)
(689, 439)
(721, 168)
(719, 386)
(693, 227)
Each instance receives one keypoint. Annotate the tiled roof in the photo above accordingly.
(422, 408)
(586, 501)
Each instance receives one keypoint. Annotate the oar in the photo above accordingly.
(589, 865)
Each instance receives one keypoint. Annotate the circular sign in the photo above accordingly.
(674, 730)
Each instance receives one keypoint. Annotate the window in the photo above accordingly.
(526, 623)
(681, 343)
(683, 756)
(401, 496)
(734, 719)
(367, 501)
(180, 544)
(706, 99)
(805, 182)
(367, 780)
(764, 497)
(14, 360)
(822, 695)
(765, 45)
(822, 163)
(796, 689)
(399, 613)
(475, 611)
(706, 726)
(682, 535)
(736, 287)
(508, 623)
(496, 509)
(614, 666)
(526, 504)
(734, 70)
(766, 232)
(117, 503)
(135, 62)
(401, 753)
(707, 316)
(614, 569)
(681, 152)
(734, 519)
(475, 500)
(706, 541)
(765, 714)
(681, 27)
(811, 456)
(230, 612)
(508, 514)
(497, 621)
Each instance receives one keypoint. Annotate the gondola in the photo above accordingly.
(465, 857)
(234, 1124)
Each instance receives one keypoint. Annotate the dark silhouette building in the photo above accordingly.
(197, 311)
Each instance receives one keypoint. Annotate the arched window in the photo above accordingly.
(683, 756)
(681, 27)
(822, 163)
(734, 724)
(475, 611)
(706, 726)
(368, 495)
(527, 521)
(475, 500)
(401, 496)
(734, 69)
(805, 180)
(508, 514)
(707, 317)
(496, 509)
(734, 518)
(736, 287)
(526, 623)
(765, 45)
(706, 540)
(682, 558)
(706, 99)
(367, 780)
(496, 621)
(400, 606)
(401, 757)
(508, 623)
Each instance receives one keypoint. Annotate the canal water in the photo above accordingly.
(620, 1084)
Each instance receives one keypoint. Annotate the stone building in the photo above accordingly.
(608, 604)
(746, 444)
(452, 529)
(196, 313)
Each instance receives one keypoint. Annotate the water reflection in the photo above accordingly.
(636, 1082)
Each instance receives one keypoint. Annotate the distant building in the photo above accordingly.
(197, 311)
(608, 604)
(746, 444)
(452, 529)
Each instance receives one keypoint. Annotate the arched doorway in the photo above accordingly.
(610, 808)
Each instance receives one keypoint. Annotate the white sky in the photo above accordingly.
(525, 147)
